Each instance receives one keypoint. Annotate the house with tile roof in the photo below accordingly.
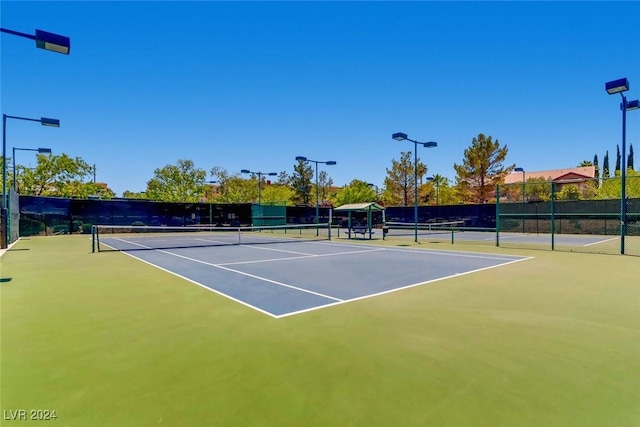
(579, 177)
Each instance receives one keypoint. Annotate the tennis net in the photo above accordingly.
(132, 238)
(424, 228)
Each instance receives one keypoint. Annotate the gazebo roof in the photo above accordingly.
(360, 207)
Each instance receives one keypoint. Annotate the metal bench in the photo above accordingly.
(361, 229)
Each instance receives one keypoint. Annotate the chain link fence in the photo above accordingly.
(571, 215)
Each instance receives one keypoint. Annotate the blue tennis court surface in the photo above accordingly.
(283, 279)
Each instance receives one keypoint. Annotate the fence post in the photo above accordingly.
(498, 215)
(553, 215)
(4, 241)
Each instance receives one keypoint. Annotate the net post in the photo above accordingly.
(96, 243)
(93, 239)
(498, 215)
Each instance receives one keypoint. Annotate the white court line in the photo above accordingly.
(276, 282)
(299, 257)
(401, 288)
(516, 236)
(337, 300)
(481, 255)
(222, 267)
(276, 250)
(191, 280)
(600, 241)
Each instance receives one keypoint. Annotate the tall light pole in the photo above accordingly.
(44, 122)
(44, 40)
(13, 160)
(328, 163)
(399, 136)
(260, 175)
(613, 87)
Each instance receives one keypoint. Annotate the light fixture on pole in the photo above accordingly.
(613, 87)
(260, 175)
(5, 223)
(13, 159)
(45, 40)
(328, 163)
(399, 136)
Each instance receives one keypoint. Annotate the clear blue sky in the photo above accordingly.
(254, 84)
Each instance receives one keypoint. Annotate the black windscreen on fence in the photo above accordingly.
(477, 215)
(51, 215)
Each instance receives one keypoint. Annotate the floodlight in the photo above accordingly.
(633, 105)
(617, 86)
(399, 136)
(53, 42)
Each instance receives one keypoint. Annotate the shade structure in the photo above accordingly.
(368, 207)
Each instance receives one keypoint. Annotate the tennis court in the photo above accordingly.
(457, 231)
(106, 339)
(286, 275)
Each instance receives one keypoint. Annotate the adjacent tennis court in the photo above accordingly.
(457, 231)
(281, 271)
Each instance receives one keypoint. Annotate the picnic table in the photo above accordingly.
(361, 229)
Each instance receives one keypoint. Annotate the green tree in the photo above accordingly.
(300, 182)
(9, 180)
(612, 188)
(239, 190)
(399, 182)
(538, 189)
(440, 191)
(278, 194)
(182, 182)
(134, 195)
(356, 191)
(630, 158)
(597, 168)
(618, 157)
(585, 163)
(569, 192)
(283, 178)
(482, 169)
(589, 189)
(233, 188)
(256, 190)
(324, 184)
(59, 175)
(605, 165)
(85, 190)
